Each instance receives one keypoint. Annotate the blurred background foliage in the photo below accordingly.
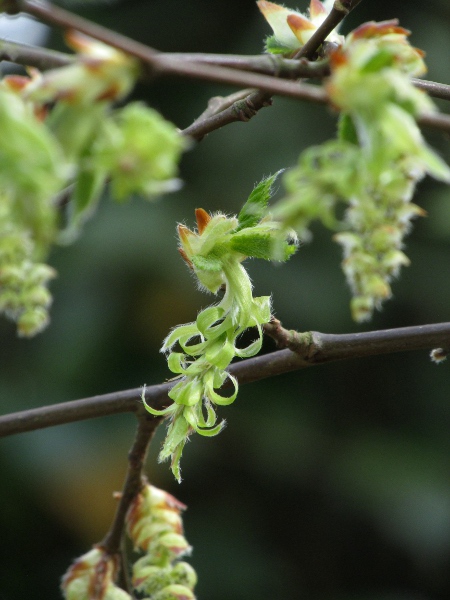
(328, 484)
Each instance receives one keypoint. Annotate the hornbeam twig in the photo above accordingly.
(267, 64)
(134, 480)
(307, 349)
(161, 65)
(32, 56)
(337, 14)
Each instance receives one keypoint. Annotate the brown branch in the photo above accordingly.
(307, 349)
(161, 65)
(249, 107)
(41, 58)
(134, 480)
(337, 14)
(243, 108)
(432, 88)
(267, 64)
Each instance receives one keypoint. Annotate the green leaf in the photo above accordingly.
(255, 208)
(83, 202)
(207, 263)
(272, 45)
(346, 129)
(383, 58)
(253, 243)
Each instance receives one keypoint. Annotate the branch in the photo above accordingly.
(134, 480)
(241, 106)
(340, 10)
(31, 56)
(306, 350)
(261, 97)
(432, 88)
(267, 64)
(161, 65)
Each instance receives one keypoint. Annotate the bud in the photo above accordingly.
(148, 578)
(184, 574)
(32, 321)
(170, 545)
(91, 578)
(174, 592)
(292, 29)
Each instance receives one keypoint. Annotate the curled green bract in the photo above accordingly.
(208, 345)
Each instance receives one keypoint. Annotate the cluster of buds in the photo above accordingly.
(61, 134)
(292, 29)
(91, 577)
(215, 253)
(155, 527)
(374, 166)
(24, 296)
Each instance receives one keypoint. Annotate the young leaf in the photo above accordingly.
(255, 208)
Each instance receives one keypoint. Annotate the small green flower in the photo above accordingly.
(215, 253)
(140, 151)
(373, 167)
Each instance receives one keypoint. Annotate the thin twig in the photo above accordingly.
(161, 65)
(267, 64)
(134, 480)
(32, 56)
(307, 349)
(432, 88)
(246, 106)
(216, 105)
(337, 14)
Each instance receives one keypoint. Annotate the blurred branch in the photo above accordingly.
(134, 480)
(160, 64)
(41, 58)
(301, 350)
(247, 108)
(432, 88)
(267, 64)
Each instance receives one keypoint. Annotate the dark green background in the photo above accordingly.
(328, 484)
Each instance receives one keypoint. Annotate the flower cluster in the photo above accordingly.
(375, 164)
(61, 135)
(215, 254)
(155, 527)
(293, 29)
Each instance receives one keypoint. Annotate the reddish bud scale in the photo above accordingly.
(316, 9)
(202, 218)
(185, 258)
(298, 23)
(376, 29)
